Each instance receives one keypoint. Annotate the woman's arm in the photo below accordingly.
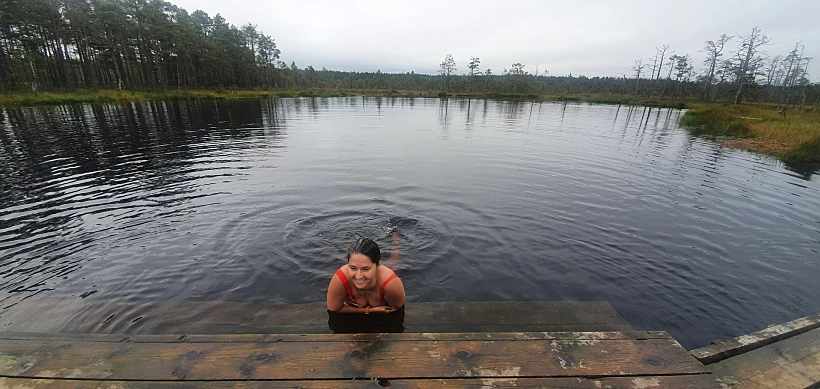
(350, 309)
(394, 293)
(336, 295)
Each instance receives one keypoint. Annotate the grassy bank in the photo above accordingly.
(104, 96)
(101, 96)
(761, 128)
(588, 98)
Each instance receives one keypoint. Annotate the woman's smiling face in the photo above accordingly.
(362, 271)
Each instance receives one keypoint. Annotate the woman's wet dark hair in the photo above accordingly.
(366, 247)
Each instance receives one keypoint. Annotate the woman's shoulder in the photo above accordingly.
(386, 272)
(388, 275)
(340, 271)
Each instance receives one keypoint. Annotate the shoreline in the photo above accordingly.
(756, 127)
(762, 128)
(25, 99)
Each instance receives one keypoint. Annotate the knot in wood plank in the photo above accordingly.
(464, 355)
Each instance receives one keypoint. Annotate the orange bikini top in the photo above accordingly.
(351, 299)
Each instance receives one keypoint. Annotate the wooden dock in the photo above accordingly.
(103, 344)
(553, 359)
(449, 345)
(780, 356)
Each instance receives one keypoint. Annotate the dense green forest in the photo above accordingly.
(154, 45)
(128, 44)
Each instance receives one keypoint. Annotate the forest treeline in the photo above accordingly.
(127, 44)
(155, 45)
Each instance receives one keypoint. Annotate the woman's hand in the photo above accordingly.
(382, 309)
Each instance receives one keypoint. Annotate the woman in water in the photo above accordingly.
(364, 285)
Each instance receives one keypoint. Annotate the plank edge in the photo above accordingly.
(721, 350)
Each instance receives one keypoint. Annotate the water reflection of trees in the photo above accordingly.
(512, 110)
(61, 164)
(468, 125)
(444, 115)
(97, 138)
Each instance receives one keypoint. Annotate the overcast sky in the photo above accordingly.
(589, 37)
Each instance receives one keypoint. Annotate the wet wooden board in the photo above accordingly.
(214, 317)
(362, 337)
(502, 316)
(789, 363)
(646, 382)
(342, 358)
(741, 344)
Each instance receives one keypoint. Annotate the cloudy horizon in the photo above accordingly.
(591, 38)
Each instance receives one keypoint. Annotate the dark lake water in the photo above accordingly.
(256, 201)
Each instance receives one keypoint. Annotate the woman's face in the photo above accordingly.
(362, 271)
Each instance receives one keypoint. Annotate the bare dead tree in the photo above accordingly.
(660, 51)
(713, 50)
(638, 68)
(805, 85)
(794, 69)
(749, 59)
(673, 59)
(800, 79)
(774, 73)
(654, 66)
(792, 63)
(722, 72)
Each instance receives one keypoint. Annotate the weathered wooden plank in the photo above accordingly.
(741, 344)
(739, 368)
(647, 382)
(790, 362)
(340, 360)
(799, 347)
(803, 373)
(699, 381)
(267, 338)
